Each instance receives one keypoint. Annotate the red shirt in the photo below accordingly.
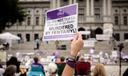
(83, 68)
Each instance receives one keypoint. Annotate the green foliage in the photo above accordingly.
(10, 13)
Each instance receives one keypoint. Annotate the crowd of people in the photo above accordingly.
(73, 65)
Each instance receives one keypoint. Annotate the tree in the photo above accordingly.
(10, 13)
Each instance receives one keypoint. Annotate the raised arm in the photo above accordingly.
(76, 46)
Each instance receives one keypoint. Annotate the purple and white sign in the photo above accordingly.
(61, 23)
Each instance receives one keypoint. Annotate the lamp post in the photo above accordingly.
(121, 46)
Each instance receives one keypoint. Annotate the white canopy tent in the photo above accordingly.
(8, 37)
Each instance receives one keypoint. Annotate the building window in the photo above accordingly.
(125, 36)
(92, 35)
(116, 10)
(37, 20)
(116, 20)
(97, 0)
(125, 10)
(65, 0)
(19, 35)
(81, 17)
(97, 16)
(97, 10)
(45, 10)
(125, 20)
(117, 36)
(97, 13)
(81, 0)
(29, 11)
(27, 37)
(37, 11)
(36, 36)
(28, 21)
(81, 10)
(81, 14)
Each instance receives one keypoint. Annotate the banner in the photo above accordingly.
(61, 23)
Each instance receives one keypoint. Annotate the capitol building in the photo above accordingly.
(95, 17)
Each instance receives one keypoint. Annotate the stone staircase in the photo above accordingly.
(105, 46)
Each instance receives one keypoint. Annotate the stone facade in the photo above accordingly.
(93, 16)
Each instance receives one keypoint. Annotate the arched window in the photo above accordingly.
(98, 31)
(81, 29)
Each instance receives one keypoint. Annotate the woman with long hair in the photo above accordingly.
(99, 70)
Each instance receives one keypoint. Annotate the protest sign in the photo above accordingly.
(61, 23)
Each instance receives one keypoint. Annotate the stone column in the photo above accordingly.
(92, 8)
(58, 3)
(87, 8)
(107, 26)
(104, 7)
(70, 1)
(32, 21)
(52, 4)
(109, 7)
(41, 17)
(74, 1)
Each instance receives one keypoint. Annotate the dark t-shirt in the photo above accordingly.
(17, 64)
(60, 67)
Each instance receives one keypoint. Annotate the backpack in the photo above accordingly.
(36, 70)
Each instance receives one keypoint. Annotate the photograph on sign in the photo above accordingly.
(61, 23)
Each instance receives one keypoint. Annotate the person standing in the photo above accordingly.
(37, 44)
(37, 69)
